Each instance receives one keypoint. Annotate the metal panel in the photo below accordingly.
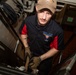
(6, 37)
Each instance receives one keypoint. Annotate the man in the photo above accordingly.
(42, 36)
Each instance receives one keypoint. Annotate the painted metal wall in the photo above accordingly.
(6, 37)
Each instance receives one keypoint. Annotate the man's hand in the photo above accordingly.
(27, 51)
(35, 61)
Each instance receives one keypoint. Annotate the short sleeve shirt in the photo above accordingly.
(42, 38)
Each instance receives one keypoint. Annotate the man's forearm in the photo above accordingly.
(25, 43)
(49, 54)
(24, 40)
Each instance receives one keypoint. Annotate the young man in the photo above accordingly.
(42, 36)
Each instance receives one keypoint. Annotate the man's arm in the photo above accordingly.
(25, 43)
(49, 54)
(24, 40)
(27, 49)
(37, 60)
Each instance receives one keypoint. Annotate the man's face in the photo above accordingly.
(43, 16)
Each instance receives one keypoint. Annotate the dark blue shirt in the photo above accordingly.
(42, 38)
